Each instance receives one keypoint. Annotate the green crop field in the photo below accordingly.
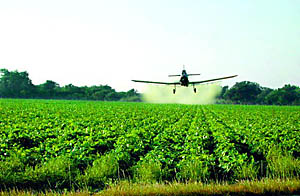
(89, 145)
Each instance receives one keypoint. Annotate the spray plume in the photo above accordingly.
(206, 94)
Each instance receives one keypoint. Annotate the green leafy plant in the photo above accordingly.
(148, 171)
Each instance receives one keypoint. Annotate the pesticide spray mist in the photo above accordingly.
(206, 94)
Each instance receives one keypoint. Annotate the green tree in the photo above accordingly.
(287, 95)
(131, 92)
(98, 95)
(74, 92)
(15, 84)
(261, 98)
(224, 90)
(132, 96)
(103, 92)
(48, 89)
(112, 96)
(244, 92)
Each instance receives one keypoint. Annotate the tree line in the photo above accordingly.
(252, 93)
(14, 84)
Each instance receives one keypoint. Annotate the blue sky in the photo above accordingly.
(96, 42)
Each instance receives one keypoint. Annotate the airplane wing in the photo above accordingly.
(151, 82)
(203, 81)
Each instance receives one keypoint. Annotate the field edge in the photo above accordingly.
(256, 187)
(261, 187)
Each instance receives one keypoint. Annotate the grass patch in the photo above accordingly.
(246, 171)
(16, 192)
(103, 171)
(282, 164)
(55, 173)
(148, 171)
(193, 170)
(262, 187)
(12, 172)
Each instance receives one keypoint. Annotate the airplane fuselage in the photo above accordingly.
(184, 80)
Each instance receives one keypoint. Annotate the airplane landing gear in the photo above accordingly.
(195, 90)
(174, 90)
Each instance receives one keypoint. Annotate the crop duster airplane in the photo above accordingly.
(184, 80)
